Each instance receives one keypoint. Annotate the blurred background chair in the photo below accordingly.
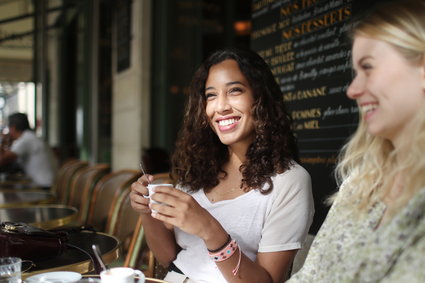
(139, 256)
(81, 188)
(57, 184)
(106, 194)
(64, 179)
(122, 220)
(125, 224)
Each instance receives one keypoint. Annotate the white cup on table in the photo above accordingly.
(151, 188)
(10, 270)
(121, 275)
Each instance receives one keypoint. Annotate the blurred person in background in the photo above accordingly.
(32, 154)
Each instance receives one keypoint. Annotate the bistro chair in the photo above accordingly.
(57, 184)
(82, 186)
(105, 196)
(123, 220)
(121, 223)
(125, 224)
(138, 255)
(62, 185)
(127, 227)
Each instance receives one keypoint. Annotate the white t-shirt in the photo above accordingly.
(277, 221)
(36, 158)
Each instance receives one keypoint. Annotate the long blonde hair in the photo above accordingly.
(370, 161)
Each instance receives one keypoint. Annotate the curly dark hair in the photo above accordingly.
(199, 156)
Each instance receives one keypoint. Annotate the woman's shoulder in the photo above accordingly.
(294, 180)
(295, 172)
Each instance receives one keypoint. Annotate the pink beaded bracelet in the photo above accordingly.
(224, 253)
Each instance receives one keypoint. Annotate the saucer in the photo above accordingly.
(55, 277)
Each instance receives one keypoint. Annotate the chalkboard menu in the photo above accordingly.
(305, 44)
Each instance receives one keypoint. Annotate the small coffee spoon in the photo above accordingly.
(96, 252)
(144, 172)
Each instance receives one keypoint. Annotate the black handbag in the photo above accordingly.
(30, 243)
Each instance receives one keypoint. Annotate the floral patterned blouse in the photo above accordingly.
(349, 249)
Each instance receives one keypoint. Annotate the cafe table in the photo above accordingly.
(13, 198)
(77, 259)
(45, 216)
(19, 176)
(10, 185)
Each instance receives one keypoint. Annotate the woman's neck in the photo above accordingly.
(237, 154)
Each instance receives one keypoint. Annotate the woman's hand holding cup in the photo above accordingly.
(139, 194)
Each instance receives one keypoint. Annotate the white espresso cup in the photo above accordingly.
(121, 275)
(151, 188)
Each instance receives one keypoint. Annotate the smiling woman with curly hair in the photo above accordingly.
(243, 205)
(200, 154)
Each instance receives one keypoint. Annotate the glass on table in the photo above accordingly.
(10, 270)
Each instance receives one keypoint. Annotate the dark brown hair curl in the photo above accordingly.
(199, 156)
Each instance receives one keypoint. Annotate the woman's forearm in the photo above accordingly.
(269, 267)
(247, 270)
(161, 241)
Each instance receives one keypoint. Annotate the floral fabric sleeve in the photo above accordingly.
(323, 244)
(410, 265)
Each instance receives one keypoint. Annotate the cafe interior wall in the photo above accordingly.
(74, 83)
(64, 54)
(131, 83)
(93, 108)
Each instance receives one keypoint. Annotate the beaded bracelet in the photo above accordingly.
(226, 253)
(229, 239)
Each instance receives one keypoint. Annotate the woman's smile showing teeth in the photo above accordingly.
(369, 107)
(368, 110)
(227, 124)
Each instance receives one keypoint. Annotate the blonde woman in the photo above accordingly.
(375, 230)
